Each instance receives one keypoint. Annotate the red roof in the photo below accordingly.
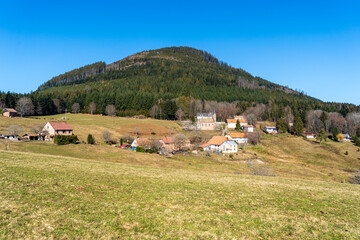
(61, 126)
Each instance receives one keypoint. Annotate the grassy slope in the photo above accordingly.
(284, 155)
(83, 124)
(60, 197)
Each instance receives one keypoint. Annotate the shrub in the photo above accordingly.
(63, 140)
(346, 153)
(231, 156)
(140, 149)
(90, 139)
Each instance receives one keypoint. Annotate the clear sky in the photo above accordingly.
(309, 45)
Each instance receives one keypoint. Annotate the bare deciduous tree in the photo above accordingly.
(25, 106)
(128, 139)
(92, 107)
(58, 106)
(75, 108)
(15, 130)
(110, 110)
(253, 138)
(106, 135)
(179, 114)
(38, 129)
(181, 141)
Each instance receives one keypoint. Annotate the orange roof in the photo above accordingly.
(247, 126)
(217, 140)
(237, 135)
(168, 140)
(204, 145)
(235, 120)
(61, 126)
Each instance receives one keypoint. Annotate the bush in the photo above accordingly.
(346, 153)
(140, 149)
(63, 139)
(90, 139)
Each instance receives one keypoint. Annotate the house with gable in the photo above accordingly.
(220, 144)
(53, 128)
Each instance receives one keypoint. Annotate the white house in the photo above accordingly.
(248, 128)
(309, 135)
(270, 129)
(240, 138)
(347, 137)
(220, 144)
(56, 128)
(231, 122)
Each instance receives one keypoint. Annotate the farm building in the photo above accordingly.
(10, 112)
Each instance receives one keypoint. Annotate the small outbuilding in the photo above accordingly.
(10, 112)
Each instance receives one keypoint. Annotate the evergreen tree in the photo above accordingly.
(323, 118)
(281, 125)
(238, 126)
(321, 136)
(335, 133)
(90, 139)
(298, 125)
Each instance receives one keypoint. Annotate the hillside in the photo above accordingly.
(59, 197)
(282, 155)
(135, 84)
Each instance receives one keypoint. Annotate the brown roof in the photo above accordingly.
(61, 126)
(235, 120)
(9, 110)
(246, 126)
(237, 135)
(168, 140)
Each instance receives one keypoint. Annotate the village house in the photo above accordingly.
(240, 138)
(347, 137)
(231, 122)
(140, 142)
(53, 128)
(206, 121)
(10, 112)
(220, 144)
(270, 129)
(248, 128)
(309, 135)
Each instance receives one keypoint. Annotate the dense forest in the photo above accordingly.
(160, 83)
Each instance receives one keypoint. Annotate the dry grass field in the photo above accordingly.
(54, 197)
(99, 191)
(84, 124)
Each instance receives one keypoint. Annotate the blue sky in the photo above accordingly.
(309, 45)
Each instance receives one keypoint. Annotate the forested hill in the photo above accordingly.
(184, 64)
(159, 82)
